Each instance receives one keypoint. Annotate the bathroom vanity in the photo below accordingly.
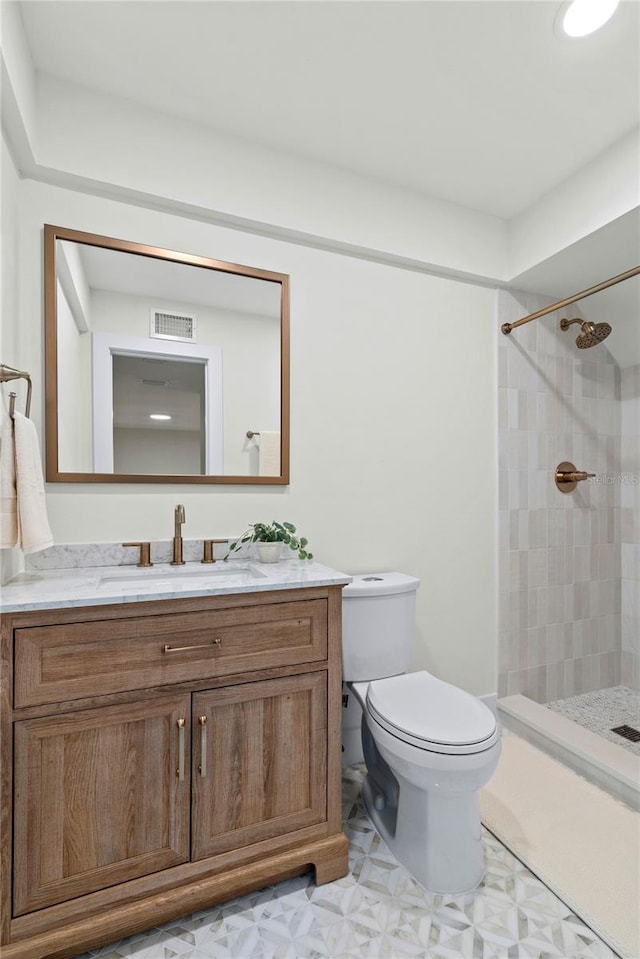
(166, 743)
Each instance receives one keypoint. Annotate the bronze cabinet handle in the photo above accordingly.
(181, 736)
(202, 766)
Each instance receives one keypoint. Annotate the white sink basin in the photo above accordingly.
(173, 575)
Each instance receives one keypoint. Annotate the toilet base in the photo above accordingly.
(438, 838)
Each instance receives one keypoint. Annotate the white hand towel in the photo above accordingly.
(8, 501)
(33, 525)
(269, 453)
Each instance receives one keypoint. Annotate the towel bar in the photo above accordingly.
(7, 373)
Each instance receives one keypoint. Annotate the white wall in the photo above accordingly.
(600, 193)
(75, 447)
(629, 480)
(13, 348)
(392, 426)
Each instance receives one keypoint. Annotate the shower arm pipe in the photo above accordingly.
(560, 305)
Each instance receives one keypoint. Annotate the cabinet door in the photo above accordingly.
(101, 797)
(260, 753)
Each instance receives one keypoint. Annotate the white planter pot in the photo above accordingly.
(269, 552)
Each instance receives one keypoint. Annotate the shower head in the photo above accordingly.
(590, 333)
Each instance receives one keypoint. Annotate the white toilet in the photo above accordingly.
(428, 746)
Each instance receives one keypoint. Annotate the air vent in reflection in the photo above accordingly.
(172, 326)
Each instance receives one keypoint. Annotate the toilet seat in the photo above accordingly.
(428, 713)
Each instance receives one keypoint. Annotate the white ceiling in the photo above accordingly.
(124, 272)
(477, 102)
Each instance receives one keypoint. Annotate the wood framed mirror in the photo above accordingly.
(162, 367)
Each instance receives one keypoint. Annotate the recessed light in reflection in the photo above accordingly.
(582, 17)
(159, 416)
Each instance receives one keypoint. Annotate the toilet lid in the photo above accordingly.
(431, 714)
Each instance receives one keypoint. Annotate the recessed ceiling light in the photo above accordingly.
(159, 416)
(582, 17)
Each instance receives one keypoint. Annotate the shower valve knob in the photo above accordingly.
(567, 476)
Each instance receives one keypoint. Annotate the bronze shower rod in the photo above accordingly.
(507, 327)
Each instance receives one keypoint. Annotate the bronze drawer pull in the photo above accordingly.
(185, 649)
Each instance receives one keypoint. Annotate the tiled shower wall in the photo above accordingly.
(630, 524)
(560, 593)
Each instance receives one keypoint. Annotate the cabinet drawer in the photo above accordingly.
(65, 662)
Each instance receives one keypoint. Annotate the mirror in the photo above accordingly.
(162, 367)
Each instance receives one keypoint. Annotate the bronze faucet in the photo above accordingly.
(208, 546)
(177, 537)
(145, 553)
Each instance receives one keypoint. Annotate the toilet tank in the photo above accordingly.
(378, 618)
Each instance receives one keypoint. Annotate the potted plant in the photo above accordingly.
(270, 538)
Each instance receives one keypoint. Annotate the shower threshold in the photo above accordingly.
(604, 763)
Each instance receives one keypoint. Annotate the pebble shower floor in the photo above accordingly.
(602, 710)
(377, 911)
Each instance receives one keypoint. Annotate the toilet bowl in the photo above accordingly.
(423, 776)
(428, 746)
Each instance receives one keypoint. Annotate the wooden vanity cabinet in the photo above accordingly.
(201, 779)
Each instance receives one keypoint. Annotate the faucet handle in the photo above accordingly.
(145, 553)
(207, 549)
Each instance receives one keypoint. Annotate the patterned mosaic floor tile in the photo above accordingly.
(378, 911)
(602, 710)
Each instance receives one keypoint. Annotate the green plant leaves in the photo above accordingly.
(273, 532)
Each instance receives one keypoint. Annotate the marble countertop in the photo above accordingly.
(101, 585)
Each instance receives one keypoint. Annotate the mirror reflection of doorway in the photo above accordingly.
(180, 380)
(158, 415)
